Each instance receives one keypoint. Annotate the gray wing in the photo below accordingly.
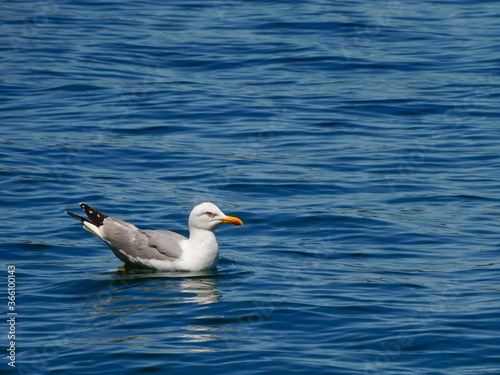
(127, 241)
(165, 241)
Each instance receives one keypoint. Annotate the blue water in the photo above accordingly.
(359, 141)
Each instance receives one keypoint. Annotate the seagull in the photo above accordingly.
(161, 249)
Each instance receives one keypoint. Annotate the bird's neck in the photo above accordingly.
(202, 239)
(202, 248)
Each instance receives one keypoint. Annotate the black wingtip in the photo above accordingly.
(96, 217)
(82, 219)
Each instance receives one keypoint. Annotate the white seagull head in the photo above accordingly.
(208, 216)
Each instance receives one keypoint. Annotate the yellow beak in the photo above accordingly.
(232, 220)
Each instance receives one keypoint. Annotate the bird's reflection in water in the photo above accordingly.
(140, 307)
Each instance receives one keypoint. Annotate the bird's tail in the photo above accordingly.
(82, 219)
(94, 221)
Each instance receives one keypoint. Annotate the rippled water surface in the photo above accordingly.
(359, 142)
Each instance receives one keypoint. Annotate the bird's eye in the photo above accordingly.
(209, 214)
